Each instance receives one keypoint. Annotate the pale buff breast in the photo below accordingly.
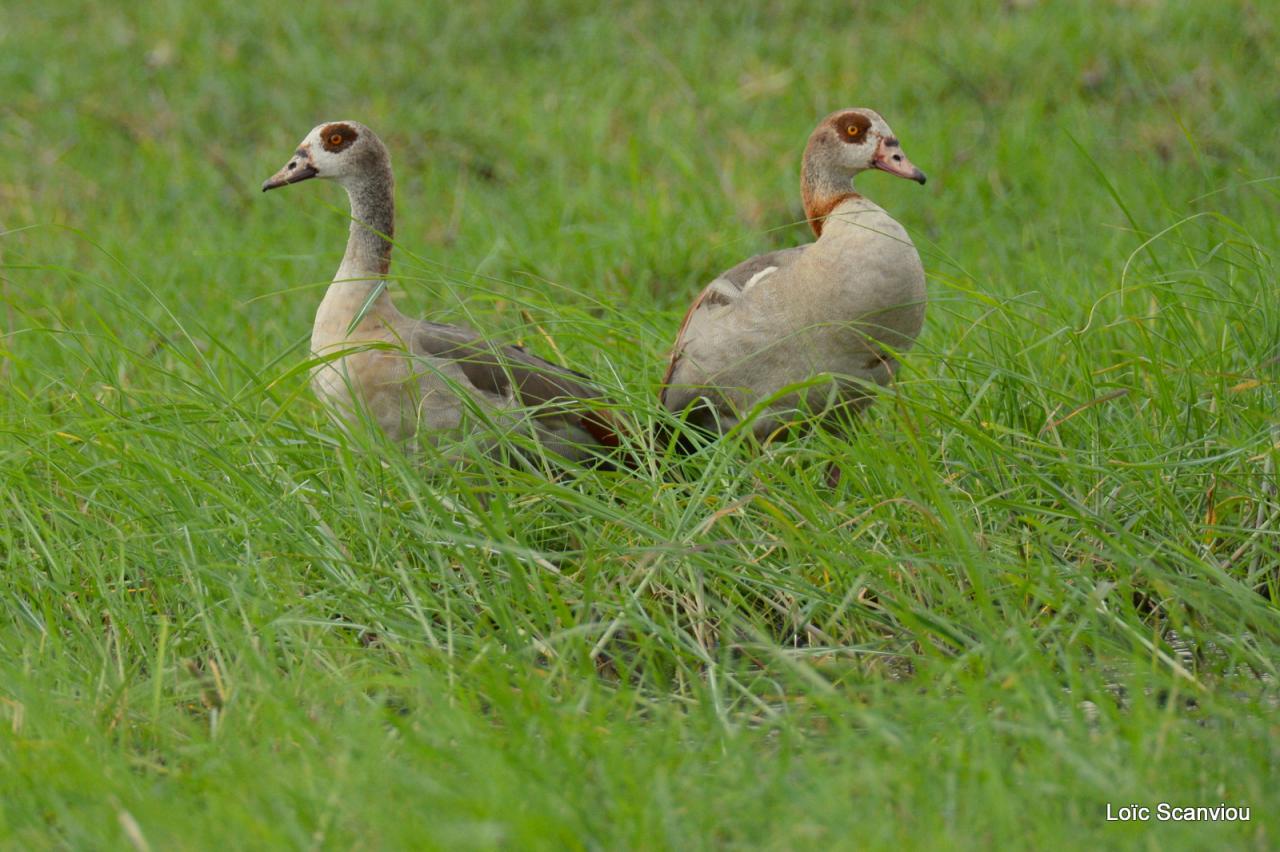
(845, 308)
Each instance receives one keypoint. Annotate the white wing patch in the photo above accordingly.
(751, 282)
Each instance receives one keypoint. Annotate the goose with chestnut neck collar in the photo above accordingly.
(843, 306)
(411, 376)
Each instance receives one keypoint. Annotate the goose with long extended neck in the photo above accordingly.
(844, 306)
(420, 379)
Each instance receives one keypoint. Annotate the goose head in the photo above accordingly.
(851, 141)
(345, 151)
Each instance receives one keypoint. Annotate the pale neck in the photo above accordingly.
(822, 191)
(360, 278)
(372, 226)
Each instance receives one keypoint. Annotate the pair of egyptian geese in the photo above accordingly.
(804, 329)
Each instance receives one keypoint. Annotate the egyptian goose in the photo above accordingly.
(412, 376)
(842, 306)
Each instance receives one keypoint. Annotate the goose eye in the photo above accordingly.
(852, 130)
(335, 139)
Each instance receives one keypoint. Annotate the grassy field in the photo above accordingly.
(1048, 581)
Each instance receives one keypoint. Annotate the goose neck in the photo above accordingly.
(823, 191)
(372, 224)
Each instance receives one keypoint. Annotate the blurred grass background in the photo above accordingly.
(1047, 582)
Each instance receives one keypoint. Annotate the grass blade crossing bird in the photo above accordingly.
(842, 306)
(411, 376)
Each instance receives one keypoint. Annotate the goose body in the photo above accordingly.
(416, 379)
(843, 306)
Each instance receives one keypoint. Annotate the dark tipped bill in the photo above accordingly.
(889, 157)
(294, 171)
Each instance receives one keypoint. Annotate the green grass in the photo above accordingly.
(1047, 582)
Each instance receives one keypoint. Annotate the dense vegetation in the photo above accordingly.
(1046, 583)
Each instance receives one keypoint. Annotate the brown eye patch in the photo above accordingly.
(338, 137)
(852, 126)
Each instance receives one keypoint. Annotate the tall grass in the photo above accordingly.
(1046, 582)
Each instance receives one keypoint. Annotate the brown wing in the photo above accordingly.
(722, 291)
(494, 368)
